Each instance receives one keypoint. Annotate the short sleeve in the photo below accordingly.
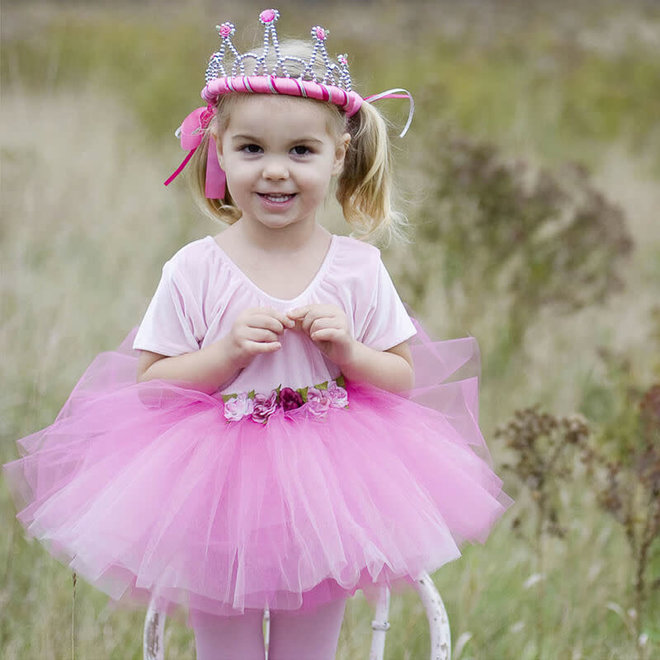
(173, 323)
(387, 323)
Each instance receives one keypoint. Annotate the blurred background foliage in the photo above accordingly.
(567, 77)
(530, 178)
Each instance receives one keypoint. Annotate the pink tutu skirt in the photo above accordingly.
(147, 491)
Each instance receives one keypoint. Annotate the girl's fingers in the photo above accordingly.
(264, 347)
(262, 335)
(316, 317)
(323, 323)
(283, 319)
(299, 317)
(306, 323)
(262, 322)
(326, 334)
(310, 324)
(279, 316)
(313, 310)
(270, 319)
(298, 312)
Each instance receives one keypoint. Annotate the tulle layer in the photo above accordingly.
(146, 490)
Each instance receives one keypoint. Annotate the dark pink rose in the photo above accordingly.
(264, 406)
(337, 394)
(290, 399)
(318, 402)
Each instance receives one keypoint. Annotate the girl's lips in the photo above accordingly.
(277, 198)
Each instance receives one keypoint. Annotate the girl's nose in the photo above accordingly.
(275, 169)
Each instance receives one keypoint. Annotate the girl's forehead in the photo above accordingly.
(265, 112)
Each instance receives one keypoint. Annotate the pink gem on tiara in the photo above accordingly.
(343, 59)
(268, 16)
(320, 33)
(226, 30)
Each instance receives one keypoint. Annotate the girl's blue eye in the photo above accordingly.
(251, 148)
(301, 150)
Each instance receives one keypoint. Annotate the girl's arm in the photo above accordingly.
(206, 369)
(255, 331)
(391, 370)
(327, 327)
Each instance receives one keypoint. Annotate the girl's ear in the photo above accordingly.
(340, 153)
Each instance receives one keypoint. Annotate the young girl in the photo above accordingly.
(252, 446)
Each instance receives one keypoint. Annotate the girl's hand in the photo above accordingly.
(256, 331)
(327, 327)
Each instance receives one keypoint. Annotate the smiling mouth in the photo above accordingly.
(277, 198)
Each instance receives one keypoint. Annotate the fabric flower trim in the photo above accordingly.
(314, 402)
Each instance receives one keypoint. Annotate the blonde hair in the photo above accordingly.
(364, 187)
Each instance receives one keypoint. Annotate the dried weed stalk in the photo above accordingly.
(543, 450)
(623, 462)
(542, 446)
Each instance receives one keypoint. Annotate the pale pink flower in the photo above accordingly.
(337, 394)
(318, 402)
(238, 407)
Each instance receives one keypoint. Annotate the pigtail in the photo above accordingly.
(364, 188)
(216, 209)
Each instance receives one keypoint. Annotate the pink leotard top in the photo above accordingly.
(202, 291)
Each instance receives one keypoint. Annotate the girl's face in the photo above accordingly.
(279, 154)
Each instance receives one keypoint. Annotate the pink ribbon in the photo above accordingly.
(191, 133)
(350, 102)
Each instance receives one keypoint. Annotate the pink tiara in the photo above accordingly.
(270, 72)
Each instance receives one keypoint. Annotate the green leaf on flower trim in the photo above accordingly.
(322, 386)
(227, 397)
(303, 393)
(340, 380)
(251, 394)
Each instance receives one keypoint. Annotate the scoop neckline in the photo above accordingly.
(327, 259)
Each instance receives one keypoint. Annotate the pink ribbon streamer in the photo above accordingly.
(216, 179)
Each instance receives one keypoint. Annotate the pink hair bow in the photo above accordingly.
(191, 133)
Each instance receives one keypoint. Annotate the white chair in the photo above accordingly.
(154, 625)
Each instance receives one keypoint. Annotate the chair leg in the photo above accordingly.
(380, 625)
(267, 630)
(154, 626)
(437, 616)
(152, 640)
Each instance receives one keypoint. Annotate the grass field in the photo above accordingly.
(86, 225)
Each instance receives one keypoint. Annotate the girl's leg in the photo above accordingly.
(229, 637)
(306, 635)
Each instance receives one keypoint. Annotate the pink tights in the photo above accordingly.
(294, 635)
